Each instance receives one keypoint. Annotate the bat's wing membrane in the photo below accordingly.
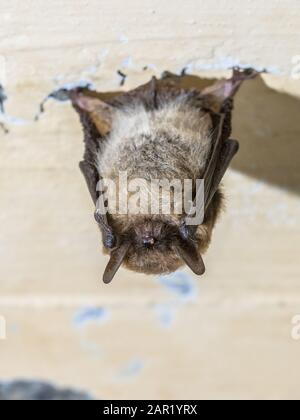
(218, 101)
(228, 151)
(87, 107)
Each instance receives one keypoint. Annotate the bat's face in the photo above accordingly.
(158, 245)
(152, 247)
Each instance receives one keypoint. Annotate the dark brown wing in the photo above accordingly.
(228, 150)
(218, 101)
(92, 139)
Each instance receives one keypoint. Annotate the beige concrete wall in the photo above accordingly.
(230, 335)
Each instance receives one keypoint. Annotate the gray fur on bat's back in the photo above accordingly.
(172, 142)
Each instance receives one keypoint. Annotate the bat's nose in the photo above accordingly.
(148, 241)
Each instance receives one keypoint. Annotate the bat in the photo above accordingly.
(158, 131)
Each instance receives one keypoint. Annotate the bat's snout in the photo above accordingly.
(148, 241)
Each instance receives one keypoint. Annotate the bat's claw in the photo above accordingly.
(245, 74)
(168, 75)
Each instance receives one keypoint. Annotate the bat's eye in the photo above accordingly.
(148, 242)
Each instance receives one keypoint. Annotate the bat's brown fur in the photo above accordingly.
(172, 142)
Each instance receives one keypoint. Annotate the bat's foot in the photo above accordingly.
(245, 74)
(168, 75)
(220, 94)
(172, 76)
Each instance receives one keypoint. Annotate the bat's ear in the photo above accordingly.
(117, 257)
(217, 94)
(190, 255)
(99, 111)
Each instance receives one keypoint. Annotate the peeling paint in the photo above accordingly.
(122, 76)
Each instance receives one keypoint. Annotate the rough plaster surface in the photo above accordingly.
(226, 335)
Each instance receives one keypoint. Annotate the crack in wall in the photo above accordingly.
(123, 77)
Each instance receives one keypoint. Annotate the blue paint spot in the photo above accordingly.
(91, 315)
(131, 369)
(127, 62)
(92, 69)
(152, 67)
(184, 288)
(166, 314)
(11, 120)
(181, 285)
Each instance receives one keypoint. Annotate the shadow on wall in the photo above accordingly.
(267, 124)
